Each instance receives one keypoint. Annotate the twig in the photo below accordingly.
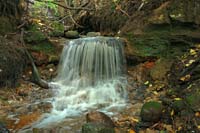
(118, 7)
(70, 15)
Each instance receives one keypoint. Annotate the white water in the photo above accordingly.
(91, 76)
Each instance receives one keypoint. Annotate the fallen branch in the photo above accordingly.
(35, 74)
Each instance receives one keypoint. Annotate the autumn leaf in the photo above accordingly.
(177, 99)
(189, 63)
(193, 52)
(172, 113)
(185, 78)
(132, 131)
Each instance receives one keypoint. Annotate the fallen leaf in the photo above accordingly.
(177, 99)
(179, 128)
(134, 119)
(189, 63)
(155, 92)
(197, 114)
(146, 83)
(172, 113)
(132, 131)
(185, 78)
(192, 52)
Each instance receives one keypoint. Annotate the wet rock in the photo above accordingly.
(96, 128)
(3, 129)
(41, 107)
(99, 117)
(72, 34)
(151, 111)
(93, 34)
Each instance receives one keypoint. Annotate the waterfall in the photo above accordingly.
(91, 75)
(90, 61)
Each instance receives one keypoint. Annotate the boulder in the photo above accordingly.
(160, 69)
(99, 117)
(151, 111)
(72, 34)
(98, 122)
(93, 34)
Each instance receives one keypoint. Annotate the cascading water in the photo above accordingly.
(91, 75)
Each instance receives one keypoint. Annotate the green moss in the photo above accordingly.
(34, 35)
(193, 101)
(161, 40)
(152, 104)
(58, 29)
(44, 46)
(151, 111)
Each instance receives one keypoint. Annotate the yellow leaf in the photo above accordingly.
(132, 131)
(185, 78)
(189, 63)
(155, 92)
(172, 113)
(177, 99)
(197, 114)
(146, 83)
(198, 126)
(179, 128)
(134, 119)
(192, 52)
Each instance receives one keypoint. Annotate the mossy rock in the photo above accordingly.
(34, 35)
(151, 111)
(193, 101)
(93, 34)
(72, 34)
(97, 128)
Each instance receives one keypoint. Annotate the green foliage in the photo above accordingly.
(44, 46)
(46, 5)
(58, 29)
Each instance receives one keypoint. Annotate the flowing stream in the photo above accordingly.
(91, 76)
